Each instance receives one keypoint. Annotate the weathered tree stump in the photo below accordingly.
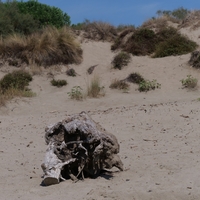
(78, 147)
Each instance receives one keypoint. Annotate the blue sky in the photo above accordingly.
(118, 12)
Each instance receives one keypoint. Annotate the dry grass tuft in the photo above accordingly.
(159, 23)
(192, 20)
(47, 47)
(95, 89)
(98, 30)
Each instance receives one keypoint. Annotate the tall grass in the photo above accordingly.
(95, 89)
(47, 47)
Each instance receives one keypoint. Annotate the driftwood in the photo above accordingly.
(77, 148)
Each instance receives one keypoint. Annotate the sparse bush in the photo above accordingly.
(76, 93)
(189, 82)
(98, 30)
(94, 89)
(119, 84)
(71, 72)
(179, 13)
(58, 83)
(147, 85)
(17, 79)
(120, 60)
(135, 78)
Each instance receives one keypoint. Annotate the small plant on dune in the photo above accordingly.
(76, 93)
(119, 84)
(134, 78)
(58, 83)
(189, 82)
(71, 72)
(120, 60)
(94, 88)
(147, 85)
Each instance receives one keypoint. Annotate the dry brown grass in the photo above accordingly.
(13, 93)
(160, 23)
(47, 47)
(99, 31)
(192, 20)
(95, 89)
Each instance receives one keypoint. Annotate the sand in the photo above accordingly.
(158, 131)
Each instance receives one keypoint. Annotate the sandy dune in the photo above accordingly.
(158, 131)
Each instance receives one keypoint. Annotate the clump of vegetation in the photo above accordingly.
(58, 83)
(147, 85)
(15, 84)
(119, 84)
(189, 82)
(97, 30)
(94, 88)
(120, 60)
(166, 41)
(76, 93)
(47, 47)
(178, 14)
(135, 78)
(71, 72)
(17, 79)
(176, 45)
(26, 17)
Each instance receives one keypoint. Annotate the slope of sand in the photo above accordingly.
(158, 131)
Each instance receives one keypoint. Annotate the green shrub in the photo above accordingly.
(11, 20)
(120, 60)
(17, 79)
(44, 14)
(189, 82)
(176, 45)
(119, 84)
(165, 41)
(147, 85)
(142, 42)
(58, 83)
(76, 93)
